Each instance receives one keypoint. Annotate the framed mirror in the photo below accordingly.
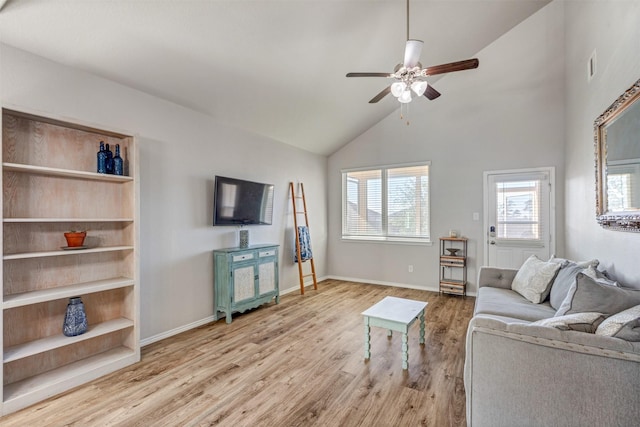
(617, 144)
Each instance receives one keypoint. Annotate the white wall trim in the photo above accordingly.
(146, 341)
(392, 284)
(209, 319)
(296, 287)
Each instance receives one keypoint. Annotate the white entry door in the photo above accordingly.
(519, 216)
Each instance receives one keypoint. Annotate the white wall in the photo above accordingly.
(612, 28)
(506, 114)
(180, 153)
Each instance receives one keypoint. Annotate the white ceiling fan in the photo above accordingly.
(409, 76)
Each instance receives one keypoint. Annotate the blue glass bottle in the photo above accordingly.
(75, 318)
(109, 161)
(102, 159)
(118, 164)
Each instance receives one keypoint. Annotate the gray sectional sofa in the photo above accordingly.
(519, 372)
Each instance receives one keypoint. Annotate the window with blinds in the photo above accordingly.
(623, 186)
(518, 210)
(387, 203)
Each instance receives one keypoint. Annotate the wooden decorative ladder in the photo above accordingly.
(296, 212)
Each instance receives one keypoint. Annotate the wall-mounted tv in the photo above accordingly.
(239, 202)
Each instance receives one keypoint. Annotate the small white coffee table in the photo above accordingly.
(394, 314)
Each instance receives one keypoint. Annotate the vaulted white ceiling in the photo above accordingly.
(276, 68)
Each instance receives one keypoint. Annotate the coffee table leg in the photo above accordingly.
(405, 351)
(367, 338)
(422, 327)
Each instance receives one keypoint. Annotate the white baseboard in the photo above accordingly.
(184, 328)
(430, 288)
(296, 287)
(176, 331)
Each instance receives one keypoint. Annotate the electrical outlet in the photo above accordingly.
(476, 216)
(410, 268)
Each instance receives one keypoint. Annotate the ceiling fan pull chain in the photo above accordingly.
(405, 113)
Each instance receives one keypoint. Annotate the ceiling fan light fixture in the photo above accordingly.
(405, 97)
(397, 88)
(419, 87)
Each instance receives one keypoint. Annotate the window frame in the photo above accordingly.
(384, 237)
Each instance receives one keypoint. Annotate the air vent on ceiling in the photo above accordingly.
(591, 66)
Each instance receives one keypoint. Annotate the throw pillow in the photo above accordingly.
(533, 280)
(582, 322)
(584, 264)
(562, 283)
(599, 276)
(589, 295)
(624, 325)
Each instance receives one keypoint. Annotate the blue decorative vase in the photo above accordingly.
(75, 319)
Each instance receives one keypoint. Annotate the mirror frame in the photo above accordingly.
(628, 220)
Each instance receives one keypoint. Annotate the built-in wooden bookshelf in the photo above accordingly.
(49, 186)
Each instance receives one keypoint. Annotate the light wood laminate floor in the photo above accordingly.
(298, 363)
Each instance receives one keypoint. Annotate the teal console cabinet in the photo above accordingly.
(245, 278)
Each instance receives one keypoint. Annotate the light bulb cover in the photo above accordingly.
(405, 97)
(397, 88)
(419, 87)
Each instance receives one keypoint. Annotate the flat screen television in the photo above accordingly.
(239, 202)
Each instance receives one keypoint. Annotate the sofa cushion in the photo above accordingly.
(496, 277)
(624, 325)
(589, 295)
(582, 322)
(566, 340)
(508, 303)
(533, 280)
(562, 283)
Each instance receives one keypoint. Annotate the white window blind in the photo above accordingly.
(623, 184)
(518, 209)
(386, 203)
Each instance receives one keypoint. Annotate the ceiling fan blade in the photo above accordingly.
(453, 66)
(381, 95)
(367, 74)
(412, 53)
(431, 93)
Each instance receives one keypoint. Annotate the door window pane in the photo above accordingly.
(518, 210)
